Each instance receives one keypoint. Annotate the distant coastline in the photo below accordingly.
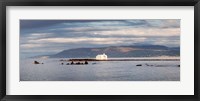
(118, 51)
(123, 60)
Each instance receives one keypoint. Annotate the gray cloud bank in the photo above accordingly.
(43, 36)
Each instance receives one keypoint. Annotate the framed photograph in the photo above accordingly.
(103, 50)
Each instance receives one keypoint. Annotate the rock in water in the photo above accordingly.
(86, 62)
(139, 65)
(36, 62)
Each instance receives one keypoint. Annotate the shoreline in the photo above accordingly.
(124, 60)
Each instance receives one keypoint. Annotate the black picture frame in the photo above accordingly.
(3, 84)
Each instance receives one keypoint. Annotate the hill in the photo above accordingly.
(120, 51)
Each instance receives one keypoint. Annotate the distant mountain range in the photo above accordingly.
(120, 51)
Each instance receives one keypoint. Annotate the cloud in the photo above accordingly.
(88, 40)
(57, 35)
(40, 34)
(30, 24)
(141, 32)
(30, 45)
(170, 23)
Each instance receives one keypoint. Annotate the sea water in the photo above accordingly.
(53, 70)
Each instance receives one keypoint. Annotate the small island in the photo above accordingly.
(104, 57)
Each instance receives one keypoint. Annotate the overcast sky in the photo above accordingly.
(52, 36)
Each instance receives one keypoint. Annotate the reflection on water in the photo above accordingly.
(52, 70)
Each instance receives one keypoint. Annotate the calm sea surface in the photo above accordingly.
(52, 70)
